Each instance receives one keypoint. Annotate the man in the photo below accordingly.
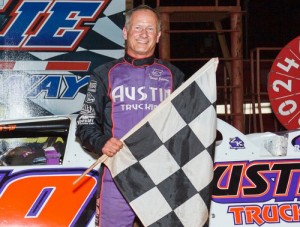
(119, 95)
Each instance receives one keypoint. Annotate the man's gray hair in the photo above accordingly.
(142, 7)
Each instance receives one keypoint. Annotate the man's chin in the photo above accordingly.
(138, 53)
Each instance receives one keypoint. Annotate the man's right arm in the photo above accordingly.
(91, 119)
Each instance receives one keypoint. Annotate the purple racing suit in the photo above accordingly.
(120, 94)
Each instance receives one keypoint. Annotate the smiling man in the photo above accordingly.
(119, 95)
(141, 32)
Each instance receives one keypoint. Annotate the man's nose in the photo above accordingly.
(144, 32)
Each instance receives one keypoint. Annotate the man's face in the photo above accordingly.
(142, 34)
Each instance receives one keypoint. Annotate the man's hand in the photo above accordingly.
(112, 146)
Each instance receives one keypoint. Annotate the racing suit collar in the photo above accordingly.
(139, 62)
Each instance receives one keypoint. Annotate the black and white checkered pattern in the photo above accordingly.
(166, 168)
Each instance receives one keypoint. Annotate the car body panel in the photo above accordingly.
(256, 176)
(42, 193)
(256, 179)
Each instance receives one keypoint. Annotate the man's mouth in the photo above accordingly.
(142, 41)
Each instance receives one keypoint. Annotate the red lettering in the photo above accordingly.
(237, 214)
(296, 212)
(63, 202)
(270, 214)
(252, 214)
(7, 128)
(255, 214)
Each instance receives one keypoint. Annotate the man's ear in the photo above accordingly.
(158, 37)
(124, 33)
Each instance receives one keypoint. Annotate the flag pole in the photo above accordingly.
(100, 160)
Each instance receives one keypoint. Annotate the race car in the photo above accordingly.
(39, 161)
(256, 176)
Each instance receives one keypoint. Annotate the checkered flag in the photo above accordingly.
(166, 166)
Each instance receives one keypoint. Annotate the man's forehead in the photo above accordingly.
(143, 14)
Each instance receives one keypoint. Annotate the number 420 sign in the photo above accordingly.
(284, 85)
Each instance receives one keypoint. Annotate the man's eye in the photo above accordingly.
(138, 28)
(150, 29)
